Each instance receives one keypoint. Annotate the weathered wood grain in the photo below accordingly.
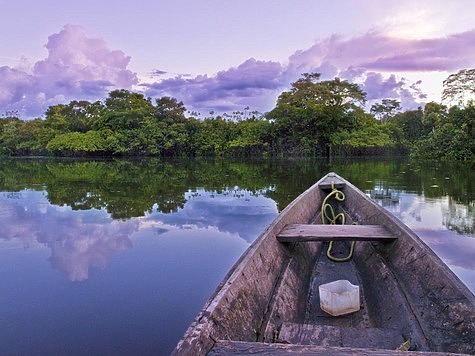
(331, 181)
(319, 232)
(271, 293)
(255, 348)
(356, 337)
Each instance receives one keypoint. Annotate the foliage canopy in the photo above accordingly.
(313, 118)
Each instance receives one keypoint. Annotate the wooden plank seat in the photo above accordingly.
(320, 232)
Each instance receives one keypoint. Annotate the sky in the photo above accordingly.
(225, 56)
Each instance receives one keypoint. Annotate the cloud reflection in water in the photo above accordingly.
(244, 214)
(441, 224)
(81, 240)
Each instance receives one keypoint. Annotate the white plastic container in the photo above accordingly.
(339, 297)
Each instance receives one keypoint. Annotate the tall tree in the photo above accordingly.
(434, 115)
(125, 110)
(309, 91)
(459, 88)
(170, 110)
(386, 110)
(306, 115)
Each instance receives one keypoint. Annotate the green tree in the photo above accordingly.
(309, 91)
(250, 137)
(306, 115)
(435, 115)
(170, 125)
(407, 127)
(448, 142)
(76, 116)
(18, 137)
(459, 88)
(10, 136)
(81, 144)
(386, 110)
(452, 138)
(124, 110)
(213, 136)
(170, 110)
(463, 118)
(368, 136)
(126, 114)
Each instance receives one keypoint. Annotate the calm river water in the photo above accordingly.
(117, 257)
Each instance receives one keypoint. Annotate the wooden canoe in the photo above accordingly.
(269, 302)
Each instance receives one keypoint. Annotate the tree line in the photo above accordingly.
(313, 118)
(107, 184)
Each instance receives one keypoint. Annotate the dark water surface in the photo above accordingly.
(117, 257)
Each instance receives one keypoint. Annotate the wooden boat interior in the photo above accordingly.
(409, 299)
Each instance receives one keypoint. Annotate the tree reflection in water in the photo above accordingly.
(150, 239)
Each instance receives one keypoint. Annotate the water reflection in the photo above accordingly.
(384, 197)
(446, 227)
(421, 212)
(83, 240)
(238, 211)
(459, 217)
(150, 240)
(78, 241)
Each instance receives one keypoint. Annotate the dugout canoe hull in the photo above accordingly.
(269, 301)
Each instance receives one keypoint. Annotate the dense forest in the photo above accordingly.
(313, 118)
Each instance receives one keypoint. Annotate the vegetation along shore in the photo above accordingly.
(312, 118)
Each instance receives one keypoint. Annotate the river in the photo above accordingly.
(116, 257)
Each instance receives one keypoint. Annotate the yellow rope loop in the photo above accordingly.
(329, 217)
(328, 213)
(342, 259)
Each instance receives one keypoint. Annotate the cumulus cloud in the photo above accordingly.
(376, 86)
(228, 90)
(377, 62)
(77, 67)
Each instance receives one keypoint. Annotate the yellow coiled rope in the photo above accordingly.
(329, 217)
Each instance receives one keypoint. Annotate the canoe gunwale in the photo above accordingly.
(437, 297)
(207, 326)
(269, 268)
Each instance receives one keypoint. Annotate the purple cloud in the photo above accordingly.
(377, 51)
(377, 87)
(77, 67)
(442, 54)
(157, 73)
(365, 58)
(249, 84)
(371, 60)
(14, 84)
